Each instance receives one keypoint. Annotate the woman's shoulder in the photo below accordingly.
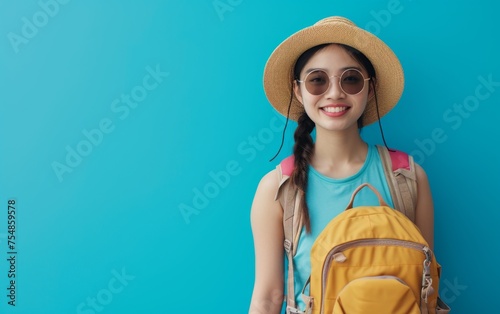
(269, 182)
(265, 207)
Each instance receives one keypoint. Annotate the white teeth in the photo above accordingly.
(334, 109)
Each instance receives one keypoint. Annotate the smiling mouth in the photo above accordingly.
(334, 109)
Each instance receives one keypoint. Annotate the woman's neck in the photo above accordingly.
(339, 154)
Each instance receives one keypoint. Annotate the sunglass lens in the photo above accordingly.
(317, 82)
(352, 82)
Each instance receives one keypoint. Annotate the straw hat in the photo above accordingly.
(278, 73)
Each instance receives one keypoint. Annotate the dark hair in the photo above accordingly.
(304, 145)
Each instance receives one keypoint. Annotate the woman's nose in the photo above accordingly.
(334, 91)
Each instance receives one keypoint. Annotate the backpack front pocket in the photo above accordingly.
(377, 294)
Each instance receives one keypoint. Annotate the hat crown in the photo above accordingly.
(335, 19)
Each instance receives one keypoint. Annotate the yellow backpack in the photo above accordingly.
(369, 259)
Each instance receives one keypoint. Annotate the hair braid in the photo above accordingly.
(302, 151)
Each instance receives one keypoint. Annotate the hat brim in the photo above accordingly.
(278, 72)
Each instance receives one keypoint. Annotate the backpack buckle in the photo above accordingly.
(288, 245)
(293, 310)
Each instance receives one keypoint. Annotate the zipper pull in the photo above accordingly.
(426, 275)
(339, 257)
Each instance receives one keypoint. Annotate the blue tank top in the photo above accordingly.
(326, 198)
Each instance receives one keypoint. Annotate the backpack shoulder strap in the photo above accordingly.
(399, 169)
(289, 199)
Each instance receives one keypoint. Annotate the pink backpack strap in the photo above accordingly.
(399, 160)
(287, 165)
(399, 169)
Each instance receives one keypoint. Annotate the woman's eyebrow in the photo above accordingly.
(314, 69)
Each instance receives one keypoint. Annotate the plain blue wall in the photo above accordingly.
(170, 95)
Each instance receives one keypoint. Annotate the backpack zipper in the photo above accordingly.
(369, 242)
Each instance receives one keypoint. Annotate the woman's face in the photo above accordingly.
(334, 110)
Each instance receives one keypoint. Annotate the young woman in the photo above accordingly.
(334, 78)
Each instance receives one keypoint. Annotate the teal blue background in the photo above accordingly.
(118, 211)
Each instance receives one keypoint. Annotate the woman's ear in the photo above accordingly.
(296, 91)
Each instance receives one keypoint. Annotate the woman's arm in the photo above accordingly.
(424, 213)
(267, 229)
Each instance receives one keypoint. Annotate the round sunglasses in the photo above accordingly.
(351, 82)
